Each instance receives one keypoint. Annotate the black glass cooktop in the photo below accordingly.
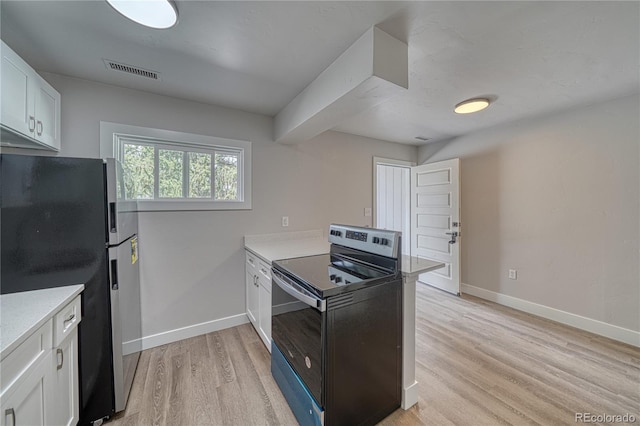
(327, 273)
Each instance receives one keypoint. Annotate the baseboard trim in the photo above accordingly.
(583, 323)
(409, 396)
(182, 333)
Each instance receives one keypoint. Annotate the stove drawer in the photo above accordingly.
(304, 407)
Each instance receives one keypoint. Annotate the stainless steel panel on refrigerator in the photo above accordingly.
(122, 220)
(124, 274)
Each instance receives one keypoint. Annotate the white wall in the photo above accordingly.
(556, 198)
(192, 263)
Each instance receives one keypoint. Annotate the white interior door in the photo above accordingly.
(435, 216)
(392, 201)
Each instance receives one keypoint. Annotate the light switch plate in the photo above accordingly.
(367, 211)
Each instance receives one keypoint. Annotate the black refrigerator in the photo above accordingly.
(67, 221)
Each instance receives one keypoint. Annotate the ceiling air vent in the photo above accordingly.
(116, 66)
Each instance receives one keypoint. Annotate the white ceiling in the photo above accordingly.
(533, 58)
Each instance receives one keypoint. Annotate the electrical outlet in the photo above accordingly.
(513, 274)
(285, 221)
(367, 211)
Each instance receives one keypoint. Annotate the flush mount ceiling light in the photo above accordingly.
(471, 105)
(159, 14)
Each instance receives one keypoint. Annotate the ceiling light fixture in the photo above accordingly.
(471, 105)
(158, 14)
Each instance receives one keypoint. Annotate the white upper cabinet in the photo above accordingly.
(30, 110)
(47, 114)
(17, 86)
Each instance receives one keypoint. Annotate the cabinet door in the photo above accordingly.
(252, 298)
(47, 114)
(18, 80)
(264, 281)
(251, 267)
(24, 403)
(264, 297)
(66, 409)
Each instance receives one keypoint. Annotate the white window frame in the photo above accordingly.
(114, 135)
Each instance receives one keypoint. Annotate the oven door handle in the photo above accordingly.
(299, 293)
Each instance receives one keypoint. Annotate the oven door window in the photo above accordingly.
(296, 329)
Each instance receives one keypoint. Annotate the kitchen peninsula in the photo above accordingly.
(270, 247)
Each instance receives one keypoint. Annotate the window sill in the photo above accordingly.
(193, 205)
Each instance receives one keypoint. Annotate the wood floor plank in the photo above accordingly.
(477, 363)
(199, 353)
(156, 388)
(261, 360)
(204, 402)
(131, 420)
(137, 387)
(178, 408)
(204, 380)
(224, 367)
(258, 402)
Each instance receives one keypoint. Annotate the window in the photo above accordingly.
(182, 173)
(165, 170)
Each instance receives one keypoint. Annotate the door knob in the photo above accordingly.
(454, 235)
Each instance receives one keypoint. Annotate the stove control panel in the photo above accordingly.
(356, 235)
(378, 241)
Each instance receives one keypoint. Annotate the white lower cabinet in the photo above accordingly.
(258, 296)
(40, 377)
(264, 304)
(252, 289)
(25, 402)
(66, 409)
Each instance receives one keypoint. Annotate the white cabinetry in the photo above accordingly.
(40, 376)
(252, 289)
(258, 297)
(66, 409)
(30, 108)
(264, 303)
(26, 380)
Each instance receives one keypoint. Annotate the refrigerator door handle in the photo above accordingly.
(112, 218)
(114, 274)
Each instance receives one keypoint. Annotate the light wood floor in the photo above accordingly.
(478, 363)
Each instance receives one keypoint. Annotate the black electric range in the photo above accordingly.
(337, 329)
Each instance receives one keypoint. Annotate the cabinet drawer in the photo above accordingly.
(36, 347)
(265, 270)
(252, 261)
(66, 321)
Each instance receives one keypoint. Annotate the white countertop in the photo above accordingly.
(412, 265)
(286, 245)
(23, 313)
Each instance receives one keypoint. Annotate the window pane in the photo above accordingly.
(138, 167)
(199, 175)
(169, 173)
(226, 176)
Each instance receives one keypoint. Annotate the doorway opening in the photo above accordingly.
(423, 203)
